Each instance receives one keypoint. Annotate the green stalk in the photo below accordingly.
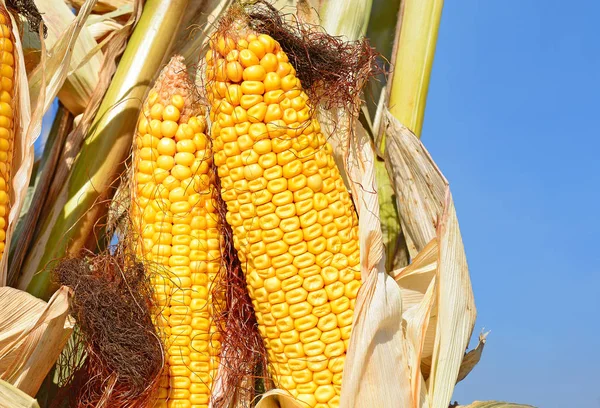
(73, 216)
(416, 39)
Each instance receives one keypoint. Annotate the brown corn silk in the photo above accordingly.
(293, 221)
(115, 355)
(175, 218)
(7, 120)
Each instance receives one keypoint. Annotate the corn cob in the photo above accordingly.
(7, 62)
(174, 214)
(294, 224)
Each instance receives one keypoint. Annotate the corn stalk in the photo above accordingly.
(414, 48)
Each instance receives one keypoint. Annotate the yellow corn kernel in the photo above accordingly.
(179, 232)
(293, 221)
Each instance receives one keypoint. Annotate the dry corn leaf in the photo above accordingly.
(375, 371)
(471, 359)
(101, 29)
(30, 41)
(32, 336)
(427, 213)
(79, 85)
(100, 25)
(58, 62)
(12, 397)
(494, 404)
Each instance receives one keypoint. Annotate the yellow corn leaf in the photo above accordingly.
(32, 336)
(79, 85)
(44, 83)
(12, 397)
(429, 219)
(494, 404)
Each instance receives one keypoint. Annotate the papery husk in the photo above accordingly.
(440, 280)
(493, 404)
(81, 81)
(100, 25)
(32, 336)
(375, 370)
(472, 358)
(12, 397)
(35, 97)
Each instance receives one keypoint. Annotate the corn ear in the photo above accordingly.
(293, 221)
(176, 221)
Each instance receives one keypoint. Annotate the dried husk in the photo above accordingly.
(32, 335)
(81, 80)
(12, 397)
(471, 359)
(494, 404)
(429, 219)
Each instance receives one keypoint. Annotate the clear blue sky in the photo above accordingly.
(513, 121)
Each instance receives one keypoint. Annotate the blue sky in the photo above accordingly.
(512, 120)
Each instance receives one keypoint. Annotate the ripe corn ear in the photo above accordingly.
(175, 217)
(294, 223)
(7, 120)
